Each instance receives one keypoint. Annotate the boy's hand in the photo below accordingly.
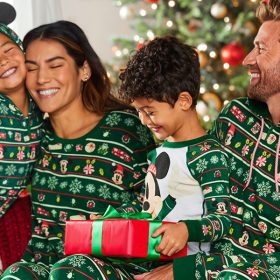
(95, 217)
(174, 238)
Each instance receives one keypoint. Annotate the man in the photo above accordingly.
(249, 130)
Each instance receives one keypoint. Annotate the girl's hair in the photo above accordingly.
(96, 92)
(268, 10)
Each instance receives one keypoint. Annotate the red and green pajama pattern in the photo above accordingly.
(254, 239)
(78, 177)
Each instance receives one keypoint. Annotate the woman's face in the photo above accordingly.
(53, 79)
(12, 67)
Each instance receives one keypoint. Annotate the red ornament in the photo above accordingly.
(233, 54)
(152, 1)
(140, 45)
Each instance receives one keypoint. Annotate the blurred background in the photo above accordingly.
(221, 30)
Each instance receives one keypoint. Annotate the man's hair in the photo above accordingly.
(161, 70)
(268, 11)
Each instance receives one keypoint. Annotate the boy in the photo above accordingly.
(187, 179)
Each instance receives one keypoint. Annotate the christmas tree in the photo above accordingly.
(221, 30)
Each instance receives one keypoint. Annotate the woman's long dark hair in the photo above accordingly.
(96, 92)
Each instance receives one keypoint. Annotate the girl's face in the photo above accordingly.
(53, 79)
(12, 66)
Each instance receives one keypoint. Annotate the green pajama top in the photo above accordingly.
(78, 177)
(19, 140)
(252, 142)
(188, 181)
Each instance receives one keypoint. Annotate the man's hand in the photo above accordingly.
(174, 238)
(164, 272)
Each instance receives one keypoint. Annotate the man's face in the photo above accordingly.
(263, 62)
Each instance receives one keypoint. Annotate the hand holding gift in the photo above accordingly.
(121, 235)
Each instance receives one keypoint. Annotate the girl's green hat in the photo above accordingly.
(4, 29)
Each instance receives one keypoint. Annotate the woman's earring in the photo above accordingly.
(86, 77)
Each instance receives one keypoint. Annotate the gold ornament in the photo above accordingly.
(218, 10)
(213, 100)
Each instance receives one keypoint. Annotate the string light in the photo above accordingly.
(169, 23)
(136, 38)
(213, 54)
(150, 35)
(226, 19)
(171, 4)
(226, 66)
(202, 47)
(216, 86)
(142, 13)
(202, 90)
(154, 6)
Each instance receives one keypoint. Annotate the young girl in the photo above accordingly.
(20, 123)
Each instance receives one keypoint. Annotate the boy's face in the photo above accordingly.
(165, 121)
(12, 66)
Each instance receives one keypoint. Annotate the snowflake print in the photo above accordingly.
(4, 109)
(129, 122)
(1, 168)
(39, 245)
(43, 181)
(201, 165)
(232, 164)
(239, 172)
(224, 160)
(75, 186)
(20, 155)
(88, 169)
(90, 188)
(52, 182)
(39, 269)
(271, 260)
(252, 271)
(63, 185)
(261, 161)
(276, 270)
(245, 176)
(60, 247)
(197, 275)
(214, 159)
(21, 170)
(227, 249)
(264, 188)
(115, 196)
(104, 192)
(90, 269)
(143, 134)
(125, 197)
(276, 196)
(245, 150)
(10, 170)
(77, 261)
(113, 119)
(268, 248)
(275, 233)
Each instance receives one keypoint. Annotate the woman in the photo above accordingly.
(20, 122)
(93, 153)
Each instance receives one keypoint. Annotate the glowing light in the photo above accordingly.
(169, 23)
(118, 53)
(213, 54)
(226, 19)
(226, 66)
(171, 4)
(202, 90)
(154, 6)
(231, 88)
(202, 47)
(136, 38)
(125, 51)
(206, 118)
(143, 13)
(150, 34)
(216, 86)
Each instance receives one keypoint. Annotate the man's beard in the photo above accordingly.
(267, 87)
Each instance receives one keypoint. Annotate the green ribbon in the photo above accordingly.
(112, 213)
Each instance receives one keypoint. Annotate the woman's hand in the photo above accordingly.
(174, 238)
(164, 272)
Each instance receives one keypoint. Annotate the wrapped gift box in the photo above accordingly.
(118, 238)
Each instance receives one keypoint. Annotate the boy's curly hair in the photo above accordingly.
(268, 10)
(161, 70)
